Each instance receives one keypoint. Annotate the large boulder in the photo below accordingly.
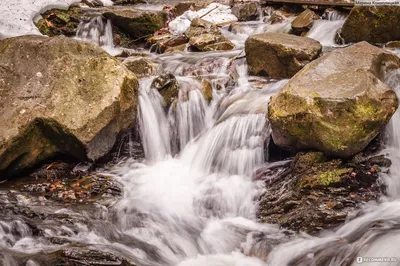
(205, 36)
(279, 55)
(60, 96)
(374, 24)
(134, 22)
(336, 104)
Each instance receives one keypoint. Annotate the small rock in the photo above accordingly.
(304, 21)
(168, 87)
(141, 66)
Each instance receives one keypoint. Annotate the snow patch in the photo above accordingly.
(18, 16)
(215, 13)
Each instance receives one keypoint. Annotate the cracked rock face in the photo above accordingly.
(60, 96)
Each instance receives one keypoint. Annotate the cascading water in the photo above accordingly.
(192, 201)
(324, 31)
(190, 115)
(156, 138)
(199, 205)
(393, 138)
(99, 32)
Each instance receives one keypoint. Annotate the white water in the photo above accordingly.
(198, 206)
(324, 31)
(98, 32)
(192, 202)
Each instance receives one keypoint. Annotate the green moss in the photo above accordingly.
(324, 178)
(43, 27)
(57, 22)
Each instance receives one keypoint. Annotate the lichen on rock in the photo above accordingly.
(336, 104)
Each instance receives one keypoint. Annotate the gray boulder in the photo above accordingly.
(60, 96)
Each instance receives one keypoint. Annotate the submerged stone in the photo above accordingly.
(168, 87)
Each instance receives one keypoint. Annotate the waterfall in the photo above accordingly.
(324, 31)
(98, 32)
(153, 123)
(333, 15)
(190, 115)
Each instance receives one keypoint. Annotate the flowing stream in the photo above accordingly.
(192, 200)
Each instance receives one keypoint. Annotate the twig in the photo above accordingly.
(209, 12)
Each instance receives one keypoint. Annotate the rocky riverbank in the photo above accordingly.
(253, 118)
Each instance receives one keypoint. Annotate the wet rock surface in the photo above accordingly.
(246, 11)
(82, 257)
(168, 87)
(279, 55)
(162, 43)
(311, 192)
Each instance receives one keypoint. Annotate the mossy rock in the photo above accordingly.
(374, 24)
(60, 96)
(324, 178)
(60, 22)
(168, 87)
(337, 104)
(141, 66)
(313, 192)
(136, 23)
